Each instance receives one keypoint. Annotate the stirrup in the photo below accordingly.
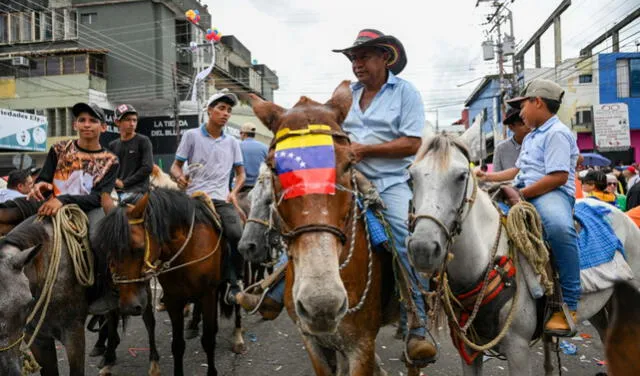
(420, 363)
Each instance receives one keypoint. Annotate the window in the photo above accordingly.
(53, 66)
(88, 18)
(96, 65)
(71, 27)
(80, 63)
(4, 28)
(68, 63)
(25, 26)
(46, 27)
(58, 24)
(37, 30)
(585, 78)
(37, 66)
(634, 78)
(622, 74)
(14, 20)
(584, 116)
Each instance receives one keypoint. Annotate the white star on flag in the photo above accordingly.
(298, 159)
(302, 164)
(290, 155)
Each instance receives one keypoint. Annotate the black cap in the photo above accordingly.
(513, 115)
(124, 109)
(91, 108)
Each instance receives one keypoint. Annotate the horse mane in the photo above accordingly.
(26, 235)
(440, 146)
(167, 211)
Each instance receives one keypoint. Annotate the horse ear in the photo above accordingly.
(22, 258)
(269, 113)
(138, 209)
(340, 102)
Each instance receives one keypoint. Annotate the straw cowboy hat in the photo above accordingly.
(375, 38)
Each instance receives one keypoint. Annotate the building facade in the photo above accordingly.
(55, 53)
(604, 78)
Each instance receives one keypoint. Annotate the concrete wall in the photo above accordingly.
(138, 56)
(52, 91)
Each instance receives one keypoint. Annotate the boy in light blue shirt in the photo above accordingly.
(544, 174)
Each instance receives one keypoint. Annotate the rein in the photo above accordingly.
(158, 267)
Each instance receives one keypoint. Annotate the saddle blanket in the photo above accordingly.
(602, 256)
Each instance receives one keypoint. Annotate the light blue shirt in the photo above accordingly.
(549, 148)
(210, 161)
(9, 194)
(396, 111)
(253, 154)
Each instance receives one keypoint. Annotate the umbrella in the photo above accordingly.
(593, 159)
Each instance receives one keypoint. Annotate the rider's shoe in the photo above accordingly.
(104, 304)
(421, 351)
(269, 308)
(559, 326)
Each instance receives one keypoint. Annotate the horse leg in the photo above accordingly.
(473, 369)
(548, 363)
(44, 351)
(103, 333)
(237, 340)
(192, 326)
(150, 324)
(176, 314)
(319, 361)
(73, 341)
(209, 305)
(600, 321)
(362, 360)
(111, 327)
(516, 349)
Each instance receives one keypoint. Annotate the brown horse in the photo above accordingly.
(622, 344)
(175, 237)
(337, 288)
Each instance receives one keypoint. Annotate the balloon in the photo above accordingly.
(197, 12)
(190, 14)
(254, 61)
(214, 34)
(193, 16)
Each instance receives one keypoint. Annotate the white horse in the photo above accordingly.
(443, 184)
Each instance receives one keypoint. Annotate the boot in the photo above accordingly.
(269, 308)
(421, 351)
(559, 326)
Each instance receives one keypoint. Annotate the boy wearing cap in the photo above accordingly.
(631, 175)
(544, 174)
(216, 155)
(134, 152)
(507, 152)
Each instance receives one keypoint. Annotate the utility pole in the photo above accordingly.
(176, 105)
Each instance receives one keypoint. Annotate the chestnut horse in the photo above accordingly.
(175, 237)
(337, 288)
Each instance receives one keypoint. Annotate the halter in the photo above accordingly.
(156, 267)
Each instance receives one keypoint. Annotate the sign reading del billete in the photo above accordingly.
(611, 127)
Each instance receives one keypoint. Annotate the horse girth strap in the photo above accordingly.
(316, 228)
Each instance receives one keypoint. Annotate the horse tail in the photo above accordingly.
(226, 310)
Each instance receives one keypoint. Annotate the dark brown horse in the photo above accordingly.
(622, 344)
(175, 237)
(337, 288)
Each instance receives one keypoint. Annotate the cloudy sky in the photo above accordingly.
(442, 40)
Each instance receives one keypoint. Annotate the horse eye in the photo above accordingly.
(462, 177)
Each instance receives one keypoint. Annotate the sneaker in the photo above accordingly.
(269, 308)
(103, 305)
(559, 326)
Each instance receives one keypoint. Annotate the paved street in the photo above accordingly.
(274, 348)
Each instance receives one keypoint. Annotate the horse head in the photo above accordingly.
(16, 302)
(442, 183)
(124, 241)
(312, 169)
(261, 232)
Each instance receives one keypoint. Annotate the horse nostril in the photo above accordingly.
(343, 308)
(301, 311)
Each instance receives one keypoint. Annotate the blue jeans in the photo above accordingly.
(556, 212)
(396, 198)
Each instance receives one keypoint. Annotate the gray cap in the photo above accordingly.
(539, 88)
(224, 93)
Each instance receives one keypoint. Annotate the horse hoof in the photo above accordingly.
(97, 351)
(191, 333)
(239, 348)
(154, 370)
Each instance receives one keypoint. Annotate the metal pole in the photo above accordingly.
(176, 105)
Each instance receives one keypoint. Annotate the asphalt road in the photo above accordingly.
(275, 348)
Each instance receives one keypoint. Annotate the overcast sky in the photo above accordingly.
(442, 40)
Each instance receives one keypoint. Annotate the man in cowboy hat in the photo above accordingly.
(507, 152)
(385, 126)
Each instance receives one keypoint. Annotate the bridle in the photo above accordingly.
(466, 203)
(312, 227)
